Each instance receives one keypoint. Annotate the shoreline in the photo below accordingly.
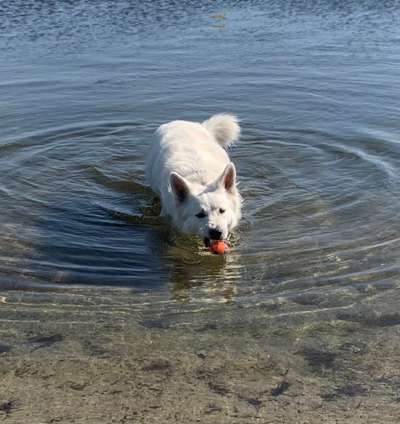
(77, 362)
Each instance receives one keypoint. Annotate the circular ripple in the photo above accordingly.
(60, 191)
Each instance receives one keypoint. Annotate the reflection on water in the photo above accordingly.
(84, 87)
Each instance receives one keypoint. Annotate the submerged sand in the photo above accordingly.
(90, 357)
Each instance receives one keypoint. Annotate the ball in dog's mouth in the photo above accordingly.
(216, 246)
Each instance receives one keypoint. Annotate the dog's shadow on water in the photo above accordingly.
(192, 271)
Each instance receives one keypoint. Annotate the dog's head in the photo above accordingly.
(211, 212)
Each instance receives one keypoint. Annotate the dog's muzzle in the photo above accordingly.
(215, 234)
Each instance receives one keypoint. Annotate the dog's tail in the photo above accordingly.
(224, 128)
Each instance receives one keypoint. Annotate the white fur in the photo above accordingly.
(191, 171)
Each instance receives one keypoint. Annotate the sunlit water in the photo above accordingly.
(84, 85)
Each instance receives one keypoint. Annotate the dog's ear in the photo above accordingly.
(228, 178)
(179, 186)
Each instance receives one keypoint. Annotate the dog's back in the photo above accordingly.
(189, 167)
(194, 150)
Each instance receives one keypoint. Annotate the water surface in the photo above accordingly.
(84, 85)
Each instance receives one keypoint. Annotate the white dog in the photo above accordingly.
(190, 169)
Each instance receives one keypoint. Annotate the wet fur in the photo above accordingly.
(189, 168)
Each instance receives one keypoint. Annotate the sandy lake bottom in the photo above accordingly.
(80, 358)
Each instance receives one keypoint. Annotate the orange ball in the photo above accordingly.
(219, 247)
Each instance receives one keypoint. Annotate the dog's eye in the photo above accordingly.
(201, 214)
(221, 210)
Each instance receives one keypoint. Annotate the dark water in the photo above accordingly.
(83, 86)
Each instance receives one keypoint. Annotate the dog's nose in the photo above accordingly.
(214, 234)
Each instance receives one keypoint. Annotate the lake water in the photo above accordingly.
(84, 85)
